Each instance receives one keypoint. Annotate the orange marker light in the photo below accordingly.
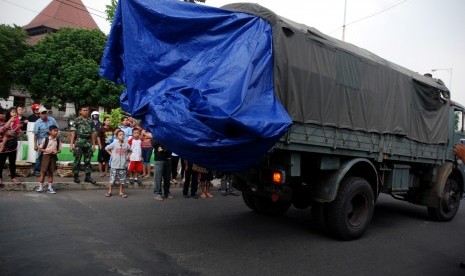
(277, 177)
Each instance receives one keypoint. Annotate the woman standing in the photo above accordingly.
(11, 145)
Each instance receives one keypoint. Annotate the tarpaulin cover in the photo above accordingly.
(324, 81)
(200, 78)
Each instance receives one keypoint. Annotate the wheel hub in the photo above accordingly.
(357, 210)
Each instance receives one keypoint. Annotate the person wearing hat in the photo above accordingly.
(95, 120)
(82, 144)
(41, 129)
(35, 113)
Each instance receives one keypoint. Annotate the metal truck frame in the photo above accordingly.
(340, 173)
(361, 125)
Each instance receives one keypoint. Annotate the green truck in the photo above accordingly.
(361, 126)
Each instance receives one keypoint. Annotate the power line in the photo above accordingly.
(89, 8)
(381, 11)
(77, 8)
(371, 15)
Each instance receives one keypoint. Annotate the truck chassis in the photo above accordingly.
(341, 172)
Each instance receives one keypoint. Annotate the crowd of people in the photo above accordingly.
(123, 151)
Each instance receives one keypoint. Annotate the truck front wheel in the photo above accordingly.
(350, 213)
(448, 204)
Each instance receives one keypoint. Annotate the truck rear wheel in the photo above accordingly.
(266, 206)
(448, 204)
(350, 213)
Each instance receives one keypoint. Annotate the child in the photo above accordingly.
(146, 153)
(206, 179)
(135, 159)
(119, 151)
(112, 139)
(22, 119)
(115, 135)
(206, 176)
(16, 124)
(49, 147)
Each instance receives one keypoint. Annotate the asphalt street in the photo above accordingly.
(84, 233)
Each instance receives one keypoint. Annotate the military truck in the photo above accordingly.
(299, 117)
(361, 126)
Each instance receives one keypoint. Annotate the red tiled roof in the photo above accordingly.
(63, 13)
(32, 40)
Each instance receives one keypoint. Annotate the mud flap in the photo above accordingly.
(430, 196)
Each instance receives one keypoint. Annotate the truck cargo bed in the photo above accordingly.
(374, 146)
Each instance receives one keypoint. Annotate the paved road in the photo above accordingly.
(84, 233)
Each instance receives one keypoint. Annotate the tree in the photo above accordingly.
(115, 117)
(63, 67)
(12, 47)
(110, 9)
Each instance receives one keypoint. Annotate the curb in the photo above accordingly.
(32, 186)
(60, 185)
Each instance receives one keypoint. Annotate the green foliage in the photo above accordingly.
(12, 47)
(63, 67)
(110, 10)
(115, 117)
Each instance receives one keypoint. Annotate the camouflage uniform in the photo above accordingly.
(82, 144)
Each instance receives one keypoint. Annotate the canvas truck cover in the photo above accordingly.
(200, 78)
(324, 81)
(204, 81)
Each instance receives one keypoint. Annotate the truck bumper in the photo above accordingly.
(250, 184)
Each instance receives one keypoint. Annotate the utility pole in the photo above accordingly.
(344, 24)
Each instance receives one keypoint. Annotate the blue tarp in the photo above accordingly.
(199, 78)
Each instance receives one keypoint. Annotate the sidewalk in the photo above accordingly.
(64, 183)
(67, 183)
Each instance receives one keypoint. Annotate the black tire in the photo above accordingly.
(248, 200)
(266, 206)
(319, 213)
(449, 203)
(350, 213)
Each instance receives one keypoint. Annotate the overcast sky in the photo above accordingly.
(418, 34)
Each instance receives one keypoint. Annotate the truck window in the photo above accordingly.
(458, 120)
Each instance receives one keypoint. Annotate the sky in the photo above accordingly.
(420, 35)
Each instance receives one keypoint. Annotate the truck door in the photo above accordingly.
(459, 124)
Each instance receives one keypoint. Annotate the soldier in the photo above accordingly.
(82, 143)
